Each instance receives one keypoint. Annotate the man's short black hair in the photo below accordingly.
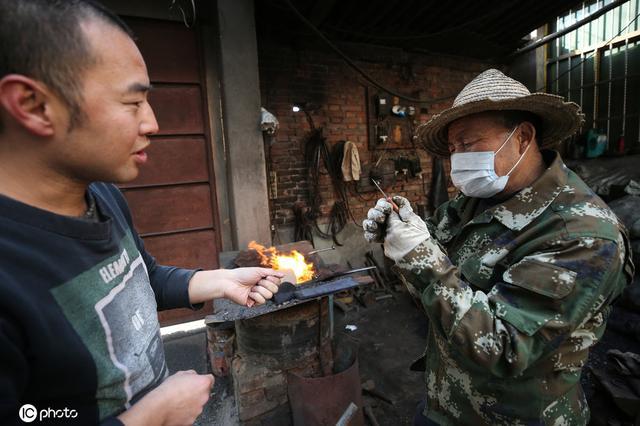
(511, 118)
(43, 40)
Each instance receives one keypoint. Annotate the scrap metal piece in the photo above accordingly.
(347, 415)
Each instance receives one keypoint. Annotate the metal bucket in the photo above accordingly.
(320, 401)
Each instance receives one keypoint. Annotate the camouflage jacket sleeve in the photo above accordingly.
(540, 303)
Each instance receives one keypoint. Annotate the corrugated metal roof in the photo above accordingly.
(473, 28)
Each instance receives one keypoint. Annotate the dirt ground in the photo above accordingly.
(389, 335)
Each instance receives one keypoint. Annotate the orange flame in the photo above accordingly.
(294, 261)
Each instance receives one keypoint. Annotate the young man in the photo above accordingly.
(79, 334)
(516, 273)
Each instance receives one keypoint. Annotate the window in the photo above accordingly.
(598, 66)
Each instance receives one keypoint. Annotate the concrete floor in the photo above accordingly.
(187, 351)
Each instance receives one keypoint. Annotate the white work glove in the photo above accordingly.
(400, 231)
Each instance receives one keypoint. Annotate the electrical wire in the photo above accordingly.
(359, 70)
(549, 84)
(392, 92)
(447, 30)
(316, 153)
(354, 192)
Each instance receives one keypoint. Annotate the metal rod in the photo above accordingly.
(617, 116)
(321, 250)
(331, 317)
(606, 80)
(584, 33)
(336, 275)
(176, 231)
(569, 80)
(353, 271)
(546, 39)
(624, 97)
(345, 419)
(609, 93)
(386, 197)
(596, 88)
(581, 78)
(324, 362)
(557, 79)
(394, 206)
(618, 40)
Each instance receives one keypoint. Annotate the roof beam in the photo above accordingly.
(546, 39)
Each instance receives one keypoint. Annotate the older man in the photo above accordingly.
(517, 272)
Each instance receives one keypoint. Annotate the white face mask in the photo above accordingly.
(474, 173)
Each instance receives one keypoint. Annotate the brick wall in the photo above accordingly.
(309, 72)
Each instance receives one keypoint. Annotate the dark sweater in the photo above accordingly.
(78, 322)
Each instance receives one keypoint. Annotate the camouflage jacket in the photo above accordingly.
(516, 295)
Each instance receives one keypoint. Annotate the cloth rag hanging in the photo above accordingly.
(350, 162)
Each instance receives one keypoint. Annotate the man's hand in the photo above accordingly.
(177, 401)
(244, 286)
(252, 286)
(375, 223)
(400, 231)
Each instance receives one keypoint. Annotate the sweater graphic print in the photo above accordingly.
(112, 308)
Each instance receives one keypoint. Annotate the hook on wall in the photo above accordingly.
(174, 4)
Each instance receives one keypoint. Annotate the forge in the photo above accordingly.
(281, 358)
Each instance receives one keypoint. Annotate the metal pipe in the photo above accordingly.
(546, 39)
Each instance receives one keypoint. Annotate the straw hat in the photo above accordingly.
(492, 90)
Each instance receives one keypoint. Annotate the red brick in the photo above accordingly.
(317, 76)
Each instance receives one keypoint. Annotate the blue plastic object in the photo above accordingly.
(596, 143)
